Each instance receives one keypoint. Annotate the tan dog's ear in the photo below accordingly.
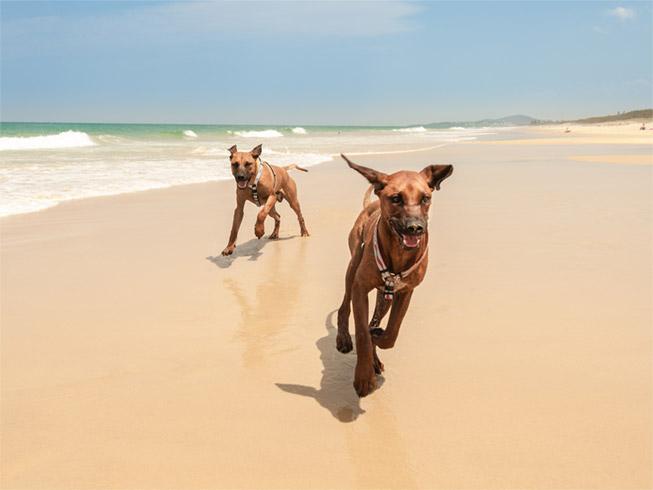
(233, 149)
(256, 152)
(374, 177)
(435, 174)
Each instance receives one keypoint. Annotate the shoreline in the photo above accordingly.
(591, 135)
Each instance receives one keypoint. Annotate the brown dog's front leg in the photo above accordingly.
(238, 219)
(343, 340)
(386, 338)
(259, 228)
(364, 377)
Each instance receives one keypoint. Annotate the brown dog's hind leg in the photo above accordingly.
(291, 196)
(378, 365)
(277, 223)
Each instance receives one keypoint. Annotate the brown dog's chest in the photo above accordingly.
(265, 187)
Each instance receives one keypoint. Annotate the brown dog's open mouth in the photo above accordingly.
(410, 241)
(241, 184)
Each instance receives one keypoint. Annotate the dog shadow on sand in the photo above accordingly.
(252, 249)
(336, 392)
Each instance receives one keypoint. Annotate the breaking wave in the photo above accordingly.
(418, 129)
(266, 133)
(66, 139)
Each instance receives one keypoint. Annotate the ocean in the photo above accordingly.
(43, 164)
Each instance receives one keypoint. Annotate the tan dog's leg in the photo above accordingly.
(364, 377)
(343, 339)
(277, 223)
(259, 227)
(291, 196)
(385, 339)
(238, 219)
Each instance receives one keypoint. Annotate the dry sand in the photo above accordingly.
(134, 358)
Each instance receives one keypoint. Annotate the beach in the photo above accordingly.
(134, 356)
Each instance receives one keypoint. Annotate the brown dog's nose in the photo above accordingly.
(415, 229)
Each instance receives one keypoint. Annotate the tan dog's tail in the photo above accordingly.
(368, 196)
(293, 166)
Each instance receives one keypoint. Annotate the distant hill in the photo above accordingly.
(639, 115)
(514, 120)
(644, 114)
(522, 120)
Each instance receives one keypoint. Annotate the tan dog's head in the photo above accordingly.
(243, 164)
(405, 197)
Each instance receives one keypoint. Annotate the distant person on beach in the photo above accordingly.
(643, 128)
(567, 130)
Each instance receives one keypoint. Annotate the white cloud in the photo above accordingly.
(162, 24)
(622, 13)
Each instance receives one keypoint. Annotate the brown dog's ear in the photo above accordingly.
(374, 177)
(256, 152)
(233, 149)
(435, 174)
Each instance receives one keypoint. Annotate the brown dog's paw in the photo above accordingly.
(364, 381)
(228, 250)
(259, 230)
(376, 332)
(305, 233)
(343, 343)
(274, 236)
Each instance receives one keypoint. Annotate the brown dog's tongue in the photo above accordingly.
(411, 241)
(242, 184)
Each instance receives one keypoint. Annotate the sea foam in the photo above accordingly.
(266, 133)
(299, 130)
(418, 129)
(66, 139)
(189, 133)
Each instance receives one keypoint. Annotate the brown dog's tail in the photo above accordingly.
(293, 166)
(367, 199)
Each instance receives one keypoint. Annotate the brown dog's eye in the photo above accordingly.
(426, 200)
(396, 199)
(234, 164)
(248, 164)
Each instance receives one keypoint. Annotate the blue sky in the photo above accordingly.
(322, 63)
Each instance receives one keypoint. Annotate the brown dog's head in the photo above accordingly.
(405, 197)
(243, 164)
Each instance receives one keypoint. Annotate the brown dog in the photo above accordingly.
(389, 252)
(262, 184)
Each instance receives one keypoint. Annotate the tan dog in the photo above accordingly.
(264, 185)
(389, 252)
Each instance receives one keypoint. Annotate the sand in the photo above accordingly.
(134, 357)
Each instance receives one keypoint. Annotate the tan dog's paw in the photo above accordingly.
(259, 230)
(364, 380)
(305, 233)
(343, 342)
(229, 250)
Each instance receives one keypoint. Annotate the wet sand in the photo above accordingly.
(135, 357)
